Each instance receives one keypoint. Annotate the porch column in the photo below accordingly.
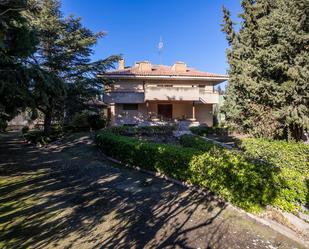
(193, 111)
(113, 114)
(147, 110)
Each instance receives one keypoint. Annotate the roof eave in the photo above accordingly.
(217, 79)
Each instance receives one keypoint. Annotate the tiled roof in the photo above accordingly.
(162, 70)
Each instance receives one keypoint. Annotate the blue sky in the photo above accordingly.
(190, 29)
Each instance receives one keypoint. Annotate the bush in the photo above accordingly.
(80, 122)
(143, 130)
(281, 153)
(196, 142)
(85, 121)
(204, 130)
(3, 125)
(171, 160)
(38, 136)
(96, 122)
(25, 129)
(248, 183)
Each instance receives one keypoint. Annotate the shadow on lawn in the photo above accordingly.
(51, 196)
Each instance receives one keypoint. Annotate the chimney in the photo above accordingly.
(144, 66)
(121, 64)
(179, 67)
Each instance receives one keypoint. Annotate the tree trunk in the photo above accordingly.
(296, 132)
(47, 122)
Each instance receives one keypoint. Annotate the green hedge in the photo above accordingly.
(193, 141)
(165, 130)
(247, 183)
(284, 154)
(171, 160)
(204, 130)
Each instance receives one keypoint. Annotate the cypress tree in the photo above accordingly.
(268, 89)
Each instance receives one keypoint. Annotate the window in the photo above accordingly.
(130, 107)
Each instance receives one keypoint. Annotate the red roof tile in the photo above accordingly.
(162, 70)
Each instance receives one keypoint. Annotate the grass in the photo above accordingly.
(16, 199)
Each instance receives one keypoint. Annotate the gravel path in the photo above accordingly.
(68, 196)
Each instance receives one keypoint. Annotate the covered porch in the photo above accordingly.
(192, 111)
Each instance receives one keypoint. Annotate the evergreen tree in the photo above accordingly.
(17, 42)
(62, 69)
(268, 88)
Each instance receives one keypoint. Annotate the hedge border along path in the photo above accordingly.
(273, 224)
(250, 185)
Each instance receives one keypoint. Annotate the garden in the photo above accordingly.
(258, 174)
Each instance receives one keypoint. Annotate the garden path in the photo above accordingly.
(67, 195)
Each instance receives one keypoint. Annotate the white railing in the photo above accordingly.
(171, 93)
(123, 97)
(162, 93)
(209, 97)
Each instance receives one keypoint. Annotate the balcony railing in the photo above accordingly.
(162, 93)
(172, 93)
(209, 97)
(122, 97)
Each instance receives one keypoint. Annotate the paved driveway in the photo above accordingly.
(68, 196)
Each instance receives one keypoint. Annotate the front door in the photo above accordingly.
(165, 111)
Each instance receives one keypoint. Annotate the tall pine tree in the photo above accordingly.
(268, 90)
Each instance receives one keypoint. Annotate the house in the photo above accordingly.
(146, 94)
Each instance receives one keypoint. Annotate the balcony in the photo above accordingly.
(161, 93)
(121, 97)
(209, 97)
(172, 93)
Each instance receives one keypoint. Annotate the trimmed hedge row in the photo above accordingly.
(284, 154)
(142, 130)
(248, 184)
(197, 142)
(171, 160)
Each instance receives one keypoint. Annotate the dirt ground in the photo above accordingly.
(68, 195)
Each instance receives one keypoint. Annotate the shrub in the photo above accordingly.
(204, 130)
(196, 142)
(3, 125)
(25, 129)
(85, 121)
(166, 130)
(281, 153)
(248, 183)
(80, 122)
(96, 122)
(38, 136)
(171, 160)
